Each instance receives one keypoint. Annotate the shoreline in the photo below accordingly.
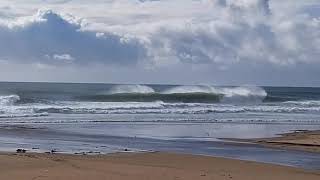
(300, 140)
(139, 166)
(256, 150)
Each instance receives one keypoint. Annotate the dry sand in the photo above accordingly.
(144, 166)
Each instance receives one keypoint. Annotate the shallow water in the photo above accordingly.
(194, 138)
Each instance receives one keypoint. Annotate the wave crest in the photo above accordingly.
(9, 100)
(190, 89)
(185, 94)
(229, 94)
(138, 89)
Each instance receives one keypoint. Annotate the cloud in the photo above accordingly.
(63, 57)
(244, 31)
(222, 32)
(50, 34)
(166, 40)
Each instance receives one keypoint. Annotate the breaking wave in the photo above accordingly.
(140, 89)
(144, 93)
(227, 94)
(9, 100)
(185, 94)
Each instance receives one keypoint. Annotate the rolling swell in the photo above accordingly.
(139, 93)
(169, 94)
(183, 94)
(149, 97)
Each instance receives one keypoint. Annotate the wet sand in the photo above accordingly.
(39, 139)
(302, 140)
(140, 166)
(298, 140)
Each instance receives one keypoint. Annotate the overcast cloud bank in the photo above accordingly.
(211, 38)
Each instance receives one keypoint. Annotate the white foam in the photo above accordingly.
(244, 91)
(9, 100)
(189, 89)
(158, 107)
(17, 115)
(311, 103)
(143, 89)
(243, 94)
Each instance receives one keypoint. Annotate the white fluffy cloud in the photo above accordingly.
(243, 30)
(160, 37)
(47, 34)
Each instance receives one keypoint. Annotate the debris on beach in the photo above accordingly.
(21, 150)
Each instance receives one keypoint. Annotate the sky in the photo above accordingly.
(224, 42)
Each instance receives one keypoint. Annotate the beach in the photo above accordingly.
(141, 166)
(157, 165)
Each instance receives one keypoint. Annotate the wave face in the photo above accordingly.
(42, 99)
(139, 97)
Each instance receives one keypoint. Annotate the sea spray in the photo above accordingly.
(139, 89)
(9, 100)
(229, 94)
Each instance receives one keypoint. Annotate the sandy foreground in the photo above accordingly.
(154, 166)
(136, 166)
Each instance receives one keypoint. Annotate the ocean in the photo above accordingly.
(47, 99)
(103, 118)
